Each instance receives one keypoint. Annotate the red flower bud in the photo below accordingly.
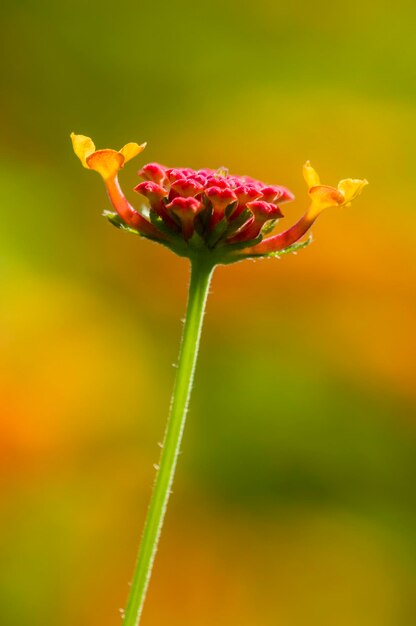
(270, 194)
(220, 199)
(153, 172)
(185, 209)
(274, 193)
(174, 174)
(216, 181)
(177, 173)
(151, 190)
(199, 177)
(187, 187)
(247, 193)
(155, 194)
(264, 211)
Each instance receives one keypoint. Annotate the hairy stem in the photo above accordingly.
(201, 272)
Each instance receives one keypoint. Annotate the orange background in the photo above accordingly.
(294, 501)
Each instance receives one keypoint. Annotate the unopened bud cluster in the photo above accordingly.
(217, 207)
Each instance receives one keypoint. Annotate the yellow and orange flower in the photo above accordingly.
(192, 210)
(322, 197)
(108, 163)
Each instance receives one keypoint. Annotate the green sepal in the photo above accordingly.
(239, 222)
(158, 223)
(203, 218)
(196, 242)
(290, 249)
(116, 221)
(230, 209)
(276, 255)
(268, 227)
(217, 232)
(227, 259)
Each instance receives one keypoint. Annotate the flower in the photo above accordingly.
(322, 197)
(196, 211)
(108, 163)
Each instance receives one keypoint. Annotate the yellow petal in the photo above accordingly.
(310, 176)
(324, 197)
(83, 146)
(105, 162)
(351, 188)
(131, 150)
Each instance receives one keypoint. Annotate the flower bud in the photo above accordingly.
(152, 191)
(216, 181)
(173, 174)
(247, 193)
(187, 187)
(220, 198)
(274, 193)
(185, 209)
(153, 172)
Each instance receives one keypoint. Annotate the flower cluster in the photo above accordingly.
(190, 211)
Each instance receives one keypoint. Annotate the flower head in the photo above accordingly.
(192, 211)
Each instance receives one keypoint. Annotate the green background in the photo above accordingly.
(294, 502)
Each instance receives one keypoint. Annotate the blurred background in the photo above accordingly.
(294, 502)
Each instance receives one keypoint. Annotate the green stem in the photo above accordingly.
(201, 272)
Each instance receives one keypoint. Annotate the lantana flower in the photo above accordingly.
(108, 163)
(194, 212)
(212, 218)
(322, 197)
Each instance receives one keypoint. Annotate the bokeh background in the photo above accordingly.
(294, 502)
